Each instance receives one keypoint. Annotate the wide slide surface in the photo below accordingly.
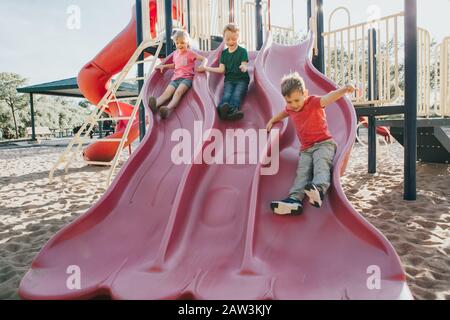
(167, 231)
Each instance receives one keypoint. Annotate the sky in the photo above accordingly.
(39, 41)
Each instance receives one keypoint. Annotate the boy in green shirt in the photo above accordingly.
(234, 64)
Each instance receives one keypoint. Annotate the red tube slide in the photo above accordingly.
(95, 76)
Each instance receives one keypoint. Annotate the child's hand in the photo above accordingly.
(201, 69)
(349, 89)
(243, 67)
(269, 126)
(160, 68)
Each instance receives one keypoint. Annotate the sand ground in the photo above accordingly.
(31, 211)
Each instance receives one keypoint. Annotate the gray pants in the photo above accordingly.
(314, 166)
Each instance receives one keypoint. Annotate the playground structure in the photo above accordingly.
(200, 231)
(369, 55)
(98, 73)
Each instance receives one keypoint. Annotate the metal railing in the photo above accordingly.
(179, 14)
(203, 23)
(366, 55)
(444, 78)
(423, 73)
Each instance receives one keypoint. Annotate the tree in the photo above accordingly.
(56, 113)
(8, 94)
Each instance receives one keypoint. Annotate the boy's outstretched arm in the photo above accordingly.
(244, 66)
(204, 61)
(282, 115)
(334, 96)
(219, 69)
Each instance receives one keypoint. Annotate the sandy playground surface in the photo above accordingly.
(31, 211)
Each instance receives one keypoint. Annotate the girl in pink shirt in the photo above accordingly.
(184, 64)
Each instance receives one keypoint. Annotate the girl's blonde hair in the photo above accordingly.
(178, 34)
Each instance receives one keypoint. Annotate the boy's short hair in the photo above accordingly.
(292, 82)
(231, 27)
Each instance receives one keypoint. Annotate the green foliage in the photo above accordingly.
(287, 37)
(9, 96)
(52, 112)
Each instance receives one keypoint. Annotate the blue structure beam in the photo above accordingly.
(410, 133)
(169, 26)
(259, 25)
(139, 39)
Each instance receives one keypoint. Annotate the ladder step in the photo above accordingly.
(123, 99)
(110, 140)
(144, 61)
(98, 163)
(114, 119)
(78, 140)
(99, 140)
(133, 79)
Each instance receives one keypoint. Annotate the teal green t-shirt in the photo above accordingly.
(232, 61)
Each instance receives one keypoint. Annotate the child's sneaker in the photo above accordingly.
(164, 112)
(287, 206)
(315, 195)
(152, 104)
(223, 110)
(234, 115)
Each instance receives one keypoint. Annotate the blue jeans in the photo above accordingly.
(314, 166)
(176, 83)
(234, 93)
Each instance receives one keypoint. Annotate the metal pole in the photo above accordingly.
(259, 25)
(318, 61)
(169, 26)
(231, 13)
(309, 10)
(100, 129)
(33, 128)
(189, 15)
(140, 70)
(410, 130)
(372, 129)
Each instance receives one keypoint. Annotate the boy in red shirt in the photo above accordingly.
(318, 147)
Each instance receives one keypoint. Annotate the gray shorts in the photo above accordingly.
(176, 83)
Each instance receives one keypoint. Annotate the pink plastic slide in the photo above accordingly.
(166, 231)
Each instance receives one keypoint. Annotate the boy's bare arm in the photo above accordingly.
(244, 66)
(219, 69)
(204, 61)
(334, 96)
(282, 115)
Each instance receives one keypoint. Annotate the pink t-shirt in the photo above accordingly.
(184, 64)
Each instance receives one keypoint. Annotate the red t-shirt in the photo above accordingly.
(310, 123)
